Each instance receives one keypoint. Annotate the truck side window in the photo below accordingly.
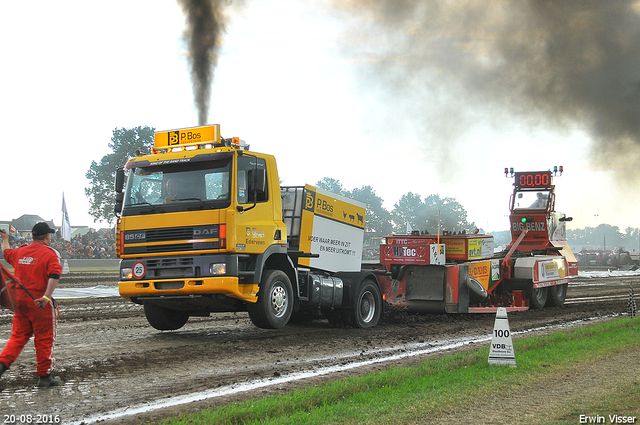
(144, 187)
(246, 163)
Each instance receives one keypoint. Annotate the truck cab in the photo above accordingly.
(542, 259)
(200, 229)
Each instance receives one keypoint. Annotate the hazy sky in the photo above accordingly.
(402, 98)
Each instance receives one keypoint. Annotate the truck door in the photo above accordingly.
(255, 224)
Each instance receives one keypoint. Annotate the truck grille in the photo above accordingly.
(160, 235)
(147, 241)
(171, 267)
(169, 262)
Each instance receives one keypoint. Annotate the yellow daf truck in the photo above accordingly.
(204, 226)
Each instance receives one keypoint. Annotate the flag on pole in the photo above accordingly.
(8, 286)
(65, 231)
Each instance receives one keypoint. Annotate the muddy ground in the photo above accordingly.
(117, 369)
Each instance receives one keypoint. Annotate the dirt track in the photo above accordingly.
(109, 358)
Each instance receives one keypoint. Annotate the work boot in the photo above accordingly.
(3, 367)
(49, 381)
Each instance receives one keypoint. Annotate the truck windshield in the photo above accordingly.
(531, 200)
(167, 188)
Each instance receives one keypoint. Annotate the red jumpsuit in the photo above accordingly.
(34, 264)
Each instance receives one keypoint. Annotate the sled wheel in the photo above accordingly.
(539, 297)
(556, 295)
(275, 301)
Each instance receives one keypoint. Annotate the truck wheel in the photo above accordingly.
(538, 297)
(367, 308)
(165, 319)
(275, 301)
(556, 295)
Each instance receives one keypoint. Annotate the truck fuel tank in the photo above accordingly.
(326, 291)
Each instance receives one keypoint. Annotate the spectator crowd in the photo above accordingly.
(91, 245)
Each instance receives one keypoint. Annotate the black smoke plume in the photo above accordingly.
(560, 64)
(205, 25)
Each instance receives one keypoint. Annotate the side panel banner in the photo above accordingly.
(548, 270)
(333, 228)
(340, 247)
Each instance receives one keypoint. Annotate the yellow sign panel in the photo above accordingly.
(332, 208)
(333, 228)
(455, 247)
(551, 270)
(475, 249)
(188, 136)
(480, 271)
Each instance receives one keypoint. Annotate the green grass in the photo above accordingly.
(447, 384)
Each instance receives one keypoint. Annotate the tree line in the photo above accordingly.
(412, 211)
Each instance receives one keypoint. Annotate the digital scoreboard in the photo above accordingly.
(533, 179)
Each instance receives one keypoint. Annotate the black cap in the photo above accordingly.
(41, 228)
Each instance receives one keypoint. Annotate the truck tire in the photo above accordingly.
(275, 301)
(367, 308)
(556, 295)
(165, 319)
(538, 297)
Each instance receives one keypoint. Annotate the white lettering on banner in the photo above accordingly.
(584, 419)
(255, 233)
(403, 251)
(26, 261)
(536, 226)
(613, 419)
(616, 419)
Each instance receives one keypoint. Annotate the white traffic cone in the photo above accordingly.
(501, 352)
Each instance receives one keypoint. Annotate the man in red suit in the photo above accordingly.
(37, 267)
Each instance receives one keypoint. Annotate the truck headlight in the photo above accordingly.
(126, 273)
(218, 268)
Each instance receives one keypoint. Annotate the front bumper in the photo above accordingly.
(223, 285)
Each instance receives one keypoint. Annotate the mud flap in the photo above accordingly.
(437, 289)
(425, 283)
(462, 306)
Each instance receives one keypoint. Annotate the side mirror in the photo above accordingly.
(119, 201)
(257, 182)
(565, 219)
(119, 180)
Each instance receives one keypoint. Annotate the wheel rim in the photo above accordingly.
(562, 291)
(367, 307)
(279, 301)
(539, 297)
